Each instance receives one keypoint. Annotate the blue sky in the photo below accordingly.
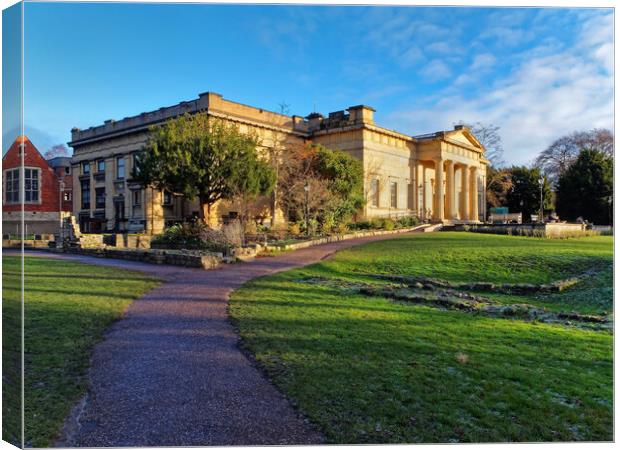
(536, 73)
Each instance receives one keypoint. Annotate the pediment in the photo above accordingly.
(466, 137)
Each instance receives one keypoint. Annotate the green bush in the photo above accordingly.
(376, 224)
(326, 228)
(388, 224)
(294, 229)
(361, 225)
(384, 224)
(342, 228)
(406, 222)
(192, 236)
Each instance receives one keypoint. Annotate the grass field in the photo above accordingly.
(370, 370)
(68, 306)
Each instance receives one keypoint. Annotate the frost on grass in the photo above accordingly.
(458, 296)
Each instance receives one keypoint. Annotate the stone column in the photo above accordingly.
(474, 194)
(422, 182)
(464, 192)
(438, 213)
(451, 210)
(414, 186)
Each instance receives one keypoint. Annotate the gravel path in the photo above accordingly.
(170, 372)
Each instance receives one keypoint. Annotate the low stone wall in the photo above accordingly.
(548, 230)
(173, 257)
(122, 240)
(91, 241)
(563, 229)
(94, 245)
(344, 237)
(28, 243)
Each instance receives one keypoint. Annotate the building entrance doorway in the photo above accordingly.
(119, 214)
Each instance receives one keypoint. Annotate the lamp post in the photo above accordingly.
(307, 189)
(541, 182)
(61, 190)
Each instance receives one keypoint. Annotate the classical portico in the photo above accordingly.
(449, 171)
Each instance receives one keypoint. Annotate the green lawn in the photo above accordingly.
(68, 306)
(370, 370)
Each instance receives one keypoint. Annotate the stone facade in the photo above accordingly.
(438, 176)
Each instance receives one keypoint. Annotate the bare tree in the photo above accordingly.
(489, 137)
(285, 108)
(56, 151)
(557, 158)
(295, 175)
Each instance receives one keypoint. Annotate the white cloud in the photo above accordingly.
(509, 37)
(408, 40)
(482, 61)
(436, 70)
(411, 56)
(544, 97)
(441, 47)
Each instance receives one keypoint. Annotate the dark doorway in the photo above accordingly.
(119, 214)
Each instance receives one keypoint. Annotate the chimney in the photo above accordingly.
(299, 123)
(361, 114)
(314, 120)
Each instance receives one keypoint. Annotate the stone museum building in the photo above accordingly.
(437, 176)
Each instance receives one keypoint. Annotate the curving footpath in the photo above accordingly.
(170, 372)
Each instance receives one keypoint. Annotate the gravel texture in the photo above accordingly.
(170, 373)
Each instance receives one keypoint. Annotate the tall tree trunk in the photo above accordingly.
(204, 211)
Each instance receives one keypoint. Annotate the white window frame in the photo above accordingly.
(31, 190)
(6, 191)
(18, 170)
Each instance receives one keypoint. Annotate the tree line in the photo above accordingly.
(576, 170)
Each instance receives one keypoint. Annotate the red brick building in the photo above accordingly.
(47, 190)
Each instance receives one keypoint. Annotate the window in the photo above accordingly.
(67, 170)
(67, 196)
(86, 168)
(410, 196)
(85, 194)
(166, 198)
(137, 198)
(136, 158)
(393, 194)
(31, 185)
(374, 193)
(101, 165)
(11, 186)
(100, 198)
(120, 168)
